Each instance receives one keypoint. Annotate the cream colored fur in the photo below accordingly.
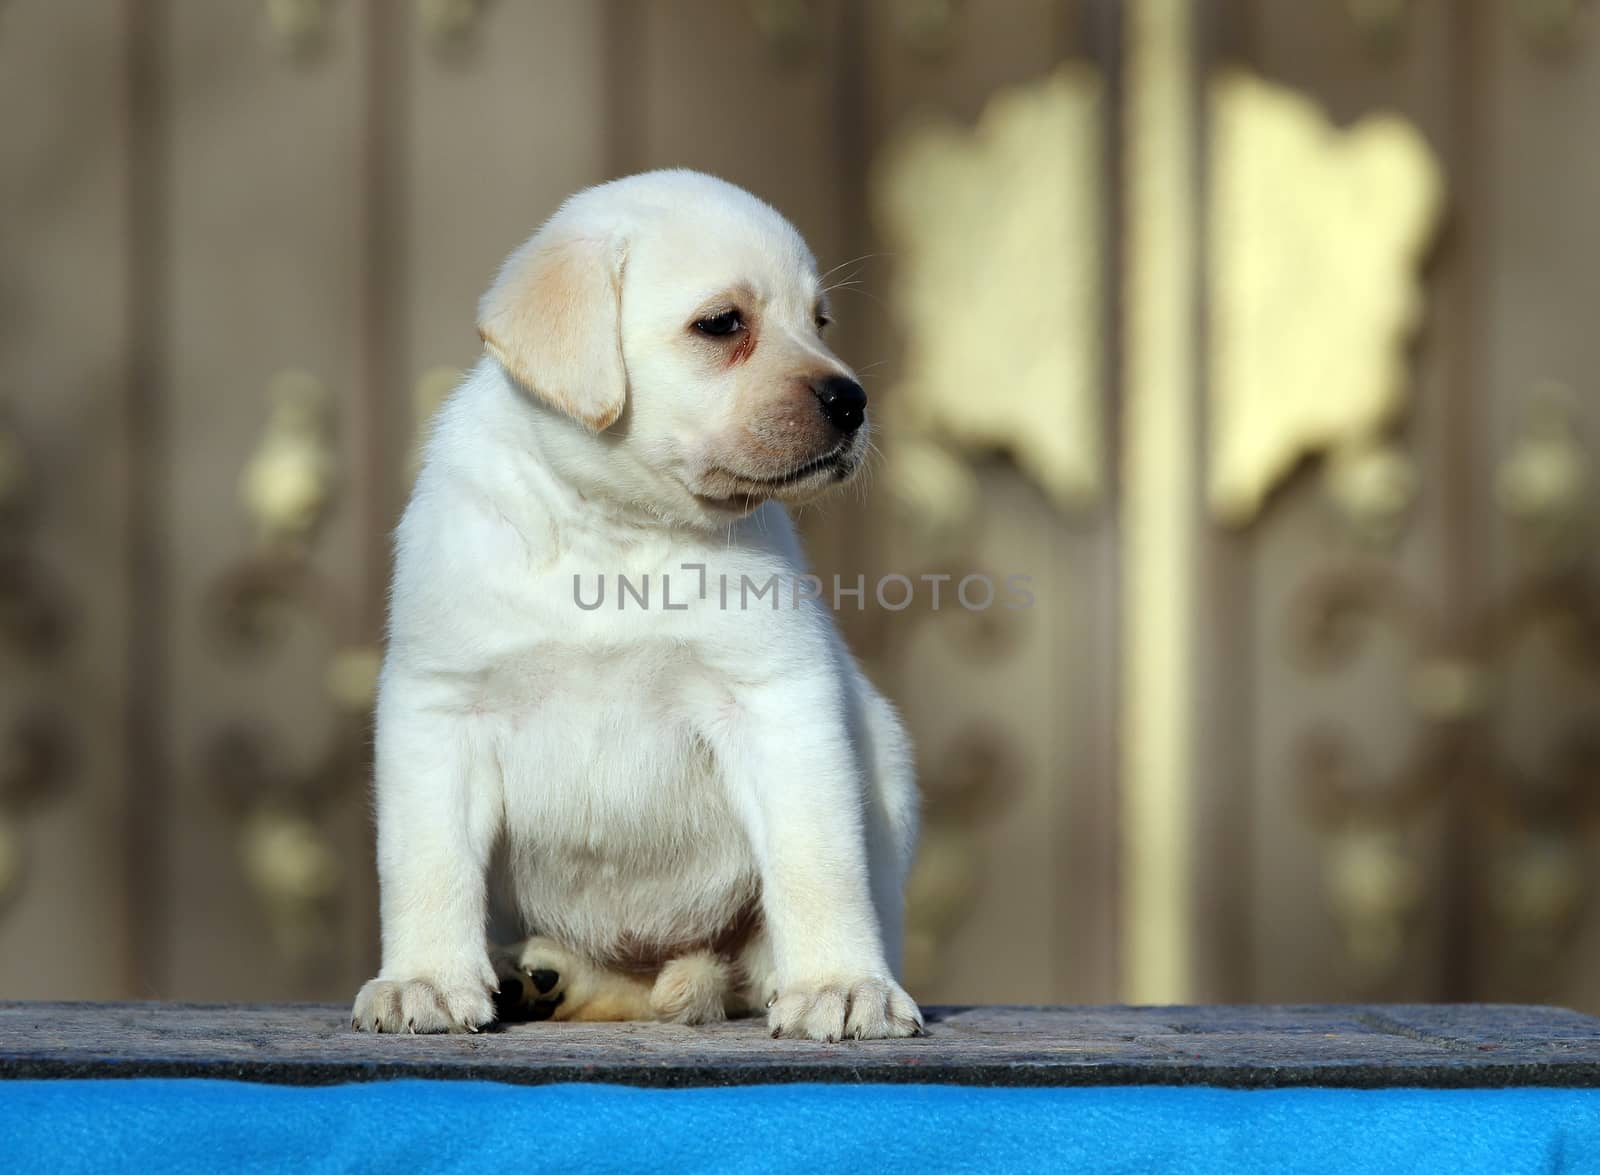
(697, 810)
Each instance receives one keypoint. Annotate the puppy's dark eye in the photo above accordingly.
(720, 325)
(823, 322)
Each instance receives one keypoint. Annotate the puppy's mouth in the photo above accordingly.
(743, 492)
(837, 461)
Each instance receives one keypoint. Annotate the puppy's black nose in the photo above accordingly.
(843, 402)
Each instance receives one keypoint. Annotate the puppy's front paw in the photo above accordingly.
(865, 1009)
(421, 1005)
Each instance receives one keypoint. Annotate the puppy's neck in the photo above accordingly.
(578, 479)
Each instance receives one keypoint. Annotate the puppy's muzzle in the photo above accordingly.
(843, 402)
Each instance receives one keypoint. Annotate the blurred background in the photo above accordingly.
(1262, 337)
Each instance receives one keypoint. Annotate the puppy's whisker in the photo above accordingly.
(852, 261)
(848, 282)
(865, 293)
(826, 274)
(869, 470)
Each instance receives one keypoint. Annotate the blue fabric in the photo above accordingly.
(212, 1126)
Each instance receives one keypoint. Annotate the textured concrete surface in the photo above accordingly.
(1252, 1047)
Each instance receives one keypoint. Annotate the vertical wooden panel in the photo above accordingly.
(1537, 186)
(1041, 924)
(63, 353)
(712, 94)
(266, 222)
(1297, 952)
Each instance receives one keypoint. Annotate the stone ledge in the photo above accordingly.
(1438, 1046)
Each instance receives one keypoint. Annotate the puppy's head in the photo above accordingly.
(673, 323)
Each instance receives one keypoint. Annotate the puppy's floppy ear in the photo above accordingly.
(553, 320)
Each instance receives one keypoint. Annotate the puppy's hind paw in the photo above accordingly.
(534, 977)
(692, 989)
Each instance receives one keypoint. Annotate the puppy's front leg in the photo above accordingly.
(797, 781)
(438, 812)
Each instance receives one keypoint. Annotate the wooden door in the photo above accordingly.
(1301, 706)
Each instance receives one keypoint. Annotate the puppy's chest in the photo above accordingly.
(558, 690)
(590, 743)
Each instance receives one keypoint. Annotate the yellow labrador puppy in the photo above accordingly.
(612, 698)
